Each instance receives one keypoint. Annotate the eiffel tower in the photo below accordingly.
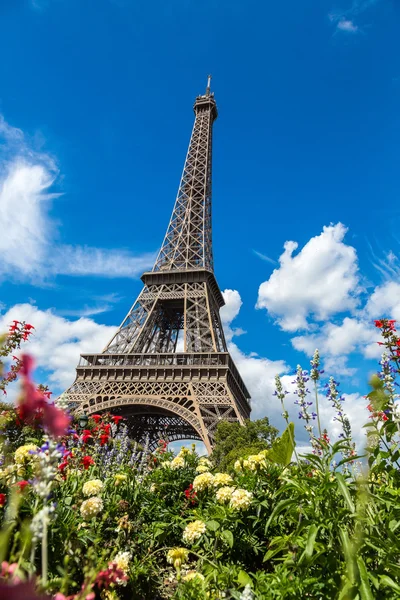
(167, 369)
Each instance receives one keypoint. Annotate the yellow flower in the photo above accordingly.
(222, 479)
(202, 482)
(225, 493)
(256, 461)
(119, 478)
(237, 466)
(177, 463)
(177, 557)
(122, 561)
(241, 499)
(202, 469)
(22, 454)
(90, 508)
(153, 488)
(92, 487)
(190, 575)
(193, 531)
(205, 461)
(183, 451)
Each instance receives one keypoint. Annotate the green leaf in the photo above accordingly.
(365, 589)
(244, 579)
(278, 508)
(282, 448)
(312, 534)
(344, 488)
(68, 500)
(228, 537)
(348, 555)
(388, 582)
(212, 525)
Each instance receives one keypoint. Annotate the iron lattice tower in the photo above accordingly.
(167, 368)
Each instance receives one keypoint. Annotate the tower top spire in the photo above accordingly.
(208, 88)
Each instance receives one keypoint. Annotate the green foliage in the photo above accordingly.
(233, 441)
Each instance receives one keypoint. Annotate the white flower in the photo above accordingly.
(241, 499)
(202, 482)
(190, 575)
(247, 594)
(222, 479)
(91, 507)
(177, 463)
(92, 487)
(193, 531)
(122, 561)
(225, 493)
(202, 469)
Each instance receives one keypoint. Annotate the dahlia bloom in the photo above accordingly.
(177, 463)
(224, 493)
(222, 479)
(177, 557)
(24, 453)
(241, 499)
(193, 531)
(92, 487)
(190, 575)
(91, 507)
(202, 469)
(202, 482)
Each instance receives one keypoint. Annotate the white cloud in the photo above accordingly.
(57, 342)
(319, 281)
(347, 25)
(384, 302)
(27, 242)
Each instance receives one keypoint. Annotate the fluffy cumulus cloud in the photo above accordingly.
(28, 248)
(258, 373)
(319, 281)
(57, 342)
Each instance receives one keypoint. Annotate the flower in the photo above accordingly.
(96, 418)
(103, 439)
(225, 493)
(177, 557)
(22, 485)
(241, 499)
(378, 324)
(190, 575)
(193, 531)
(91, 507)
(87, 461)
(202, 482)
(92, 487)
(256, 461)
(24, 453)
(202, 469)
(122, 561)
(116, 419)
(238, 465)
(177, 463)
(119, 478)
(190, 494)
(205, 461)
(3, 499)
(222, 479)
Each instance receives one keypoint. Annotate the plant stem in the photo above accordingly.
(44, 553)
(317, 407)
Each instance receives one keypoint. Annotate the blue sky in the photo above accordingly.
(96, 112)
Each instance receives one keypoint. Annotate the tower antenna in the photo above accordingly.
(208, 85)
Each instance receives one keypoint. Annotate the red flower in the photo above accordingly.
(96, 418)
(117, 419)
(110, 575)
(87, 461)
(28, 326)
(391, 324)
(22, 484)
(106, 428)
(104, 439)
(3, 499)
(86, 438)
(378, 324)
